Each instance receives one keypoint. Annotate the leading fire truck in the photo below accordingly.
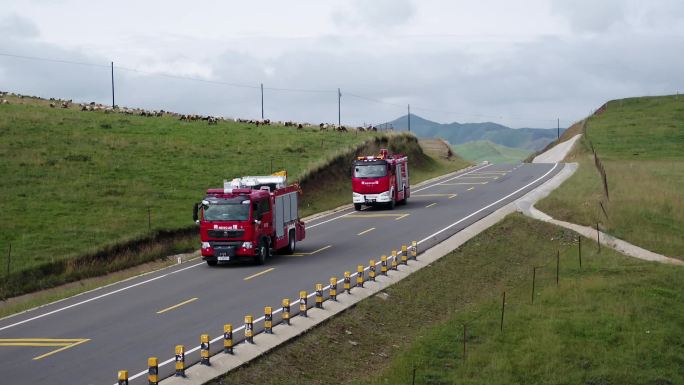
(249, 217)
(380, 180)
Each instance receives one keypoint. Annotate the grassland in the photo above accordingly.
(88, 193)
(482, 150)
(640, 142)
(615, 320)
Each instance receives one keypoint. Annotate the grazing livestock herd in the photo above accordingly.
(211, 120)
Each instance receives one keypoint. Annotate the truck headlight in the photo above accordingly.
(384, 195)
(205, 245)
(247, 245)
(357, 195)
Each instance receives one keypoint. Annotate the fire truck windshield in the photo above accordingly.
(370, 170)
(226, 212)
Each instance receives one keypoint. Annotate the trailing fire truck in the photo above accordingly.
(249, 217)
(380, 180)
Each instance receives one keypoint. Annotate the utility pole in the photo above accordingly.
(113, 104)
(409, 118)
(262, 101)
(339, 110)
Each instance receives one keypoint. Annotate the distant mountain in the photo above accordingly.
(480, 150)
(531, 139)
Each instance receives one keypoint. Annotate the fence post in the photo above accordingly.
(302, 303)
(319, 295)
(359, 275)
(249, 328)
(347, 282)
(152, 371)
(286, 310)
(180, 361)
(371, 270)
(383, 265)
(579, 250)
(204, 350)
(534, 276)
(333, 288)
(503, 309)
(228, 338)
(268, 320)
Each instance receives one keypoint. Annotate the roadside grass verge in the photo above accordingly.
(639, 141)
(616, 320)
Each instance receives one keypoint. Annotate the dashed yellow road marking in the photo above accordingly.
(177, 305)
(259, 274)
(430, 205)
(366, 231)
(401, 217)
(462, 183)
(471, 188)
(311, 253)
(435, 195)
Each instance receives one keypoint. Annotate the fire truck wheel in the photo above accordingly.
(263, 253)
(403, 201)
(357, 206)
(292, 242)
(392, 204)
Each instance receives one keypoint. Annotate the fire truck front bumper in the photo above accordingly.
(227, 251)
(371, 198)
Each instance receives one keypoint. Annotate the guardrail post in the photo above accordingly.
(347, 282)
(180, 361)
(286, 310)
(319, 295)
(371, 270)
(383, 265)
(414, 250)
(268, 320)
(404, 255)
(302, 303)
(228, 338)
(333, 288)
(249, 328)
(152, 371)
(123, 377)
(394, 260)
(359, 275)
(204, 350)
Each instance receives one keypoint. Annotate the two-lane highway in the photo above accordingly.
(87, 338)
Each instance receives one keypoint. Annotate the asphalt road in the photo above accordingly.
(86, 339)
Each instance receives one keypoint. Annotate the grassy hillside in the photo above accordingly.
(481, 150)
(640, 142)
(87, 193)
(615, 320)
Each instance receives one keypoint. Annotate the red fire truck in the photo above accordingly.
(249, 217)
(380, 180)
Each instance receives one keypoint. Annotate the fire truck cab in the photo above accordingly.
(380, 180)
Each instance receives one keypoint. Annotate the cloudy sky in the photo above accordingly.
(518, 63)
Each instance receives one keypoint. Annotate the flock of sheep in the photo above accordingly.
(92, 106)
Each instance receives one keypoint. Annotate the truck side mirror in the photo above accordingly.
(194, 212)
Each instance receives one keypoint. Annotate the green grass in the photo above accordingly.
(615, 321)
(641, 144)
(482, 150)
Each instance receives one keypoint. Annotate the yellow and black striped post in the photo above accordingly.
(268, 320)
(371, 270)
(414, 250)
(319, 295)
(152, 371)
(180, 361)
(204, 350)
(404, 255)
(359, 275)
(286, 310)
(347, 282)
(123, 377)
(383, 265)
(333, 288)
(302, 303)
(249, 328)
(228, 338)
(394, 260)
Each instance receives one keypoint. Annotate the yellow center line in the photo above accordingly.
(403, 216)
(177, 305)
(376, 215)
(462, 183)
(366, 231)
(311, 253)
(258, 274)
(61, 349)
(62, 340)
(435, 195)
(34, 344)
(430, 205)
(453, 196)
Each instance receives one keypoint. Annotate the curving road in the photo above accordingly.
(87, 338)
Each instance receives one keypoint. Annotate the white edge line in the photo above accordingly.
(98, 297)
